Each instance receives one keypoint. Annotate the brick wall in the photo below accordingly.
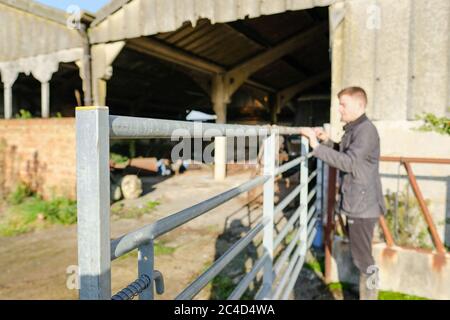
(39, 152)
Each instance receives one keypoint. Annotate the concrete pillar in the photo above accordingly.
(220, 145)
(8, 101)
(101, 87)
(85, 67)
(9, 75)
(45, 99)
(99, 91)
(220, 100)
(220, 158)
(85, 75)
(102, 57)
(220, 109)
(44, 74)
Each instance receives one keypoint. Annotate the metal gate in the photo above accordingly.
(94, 129)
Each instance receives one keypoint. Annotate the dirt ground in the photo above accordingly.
(35, 265)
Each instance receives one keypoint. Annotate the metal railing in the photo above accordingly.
(390, 242)
(95, 127)
(406, 162)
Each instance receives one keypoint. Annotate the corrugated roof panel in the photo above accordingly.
(217, 43)
(179, 34)
(157, 16)
(275, 30)
(228, 45)
(28, 35)
(211, 38)
(193, 36)
(232, 54)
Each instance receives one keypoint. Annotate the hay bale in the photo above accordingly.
(131, 186)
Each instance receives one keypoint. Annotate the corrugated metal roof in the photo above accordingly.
(217, 43)
(151, 17)
(37, 9)
(29, 29)
(225, 45)
(44, 11)
(230, 44)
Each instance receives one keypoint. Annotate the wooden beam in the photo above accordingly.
(165, 52)
(252, 35)
(219, 98)
(260, 86)
(204, 81)
(102, 57)
(237, 76)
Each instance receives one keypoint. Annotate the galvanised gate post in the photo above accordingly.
(304, 197)
(270, 152)
(93, 201)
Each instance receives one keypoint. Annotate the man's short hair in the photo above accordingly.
(354, 92)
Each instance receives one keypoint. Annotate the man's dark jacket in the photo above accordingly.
(358, 157)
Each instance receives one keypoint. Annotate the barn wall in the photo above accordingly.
(41, 153)
(399, 52)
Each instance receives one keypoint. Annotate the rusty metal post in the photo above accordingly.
(412, 179)
(415, 160)
(386, 232)
(330, 222)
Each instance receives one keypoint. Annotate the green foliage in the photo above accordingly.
(410, 228)
(339, 286)
(382, 295)
(118, 158)
(24, 114)
(120, 211)
(226, 281)
(160, 248)
(223, 287)
(21, 192)
(317, 266)
(434, 123)
(150, 205)
(390, 295)
(28, 211)
(290, 236)
(60, 211)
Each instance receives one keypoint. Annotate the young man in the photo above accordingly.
(360, 195)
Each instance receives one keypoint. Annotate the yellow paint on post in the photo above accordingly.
(89, 108)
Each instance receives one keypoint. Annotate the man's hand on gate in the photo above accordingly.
(321, 134)
(311, 135)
